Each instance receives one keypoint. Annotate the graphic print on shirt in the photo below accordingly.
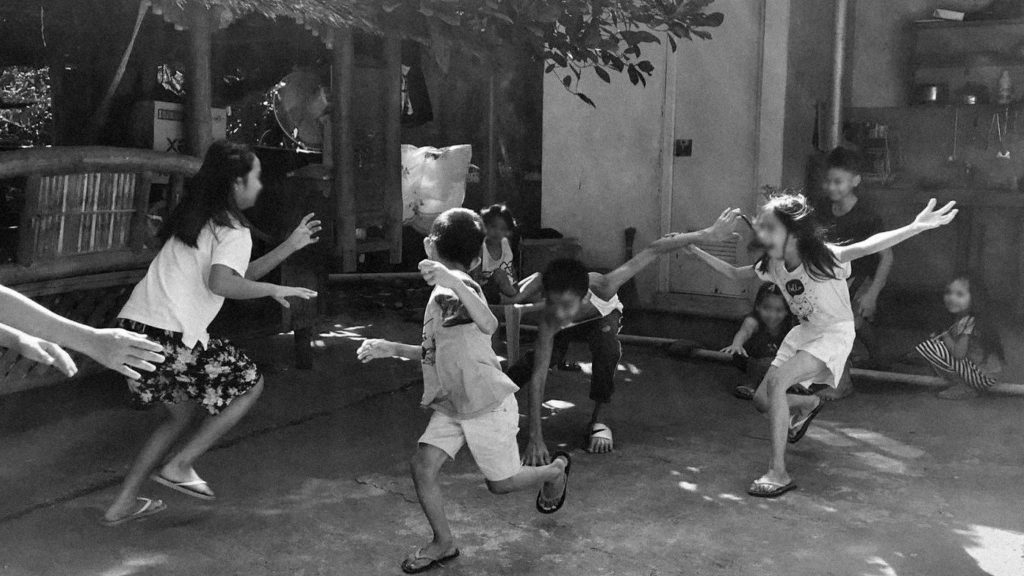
(428, 348)
(800, 304)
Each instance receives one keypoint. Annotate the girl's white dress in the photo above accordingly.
(826, 330)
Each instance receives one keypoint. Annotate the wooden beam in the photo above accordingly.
(491, 189)
(199, 97)
(342, 82)
(393, 145)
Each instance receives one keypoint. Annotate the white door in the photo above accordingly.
(717, 103)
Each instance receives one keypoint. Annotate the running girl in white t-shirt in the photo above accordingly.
(812, 276)
(204, 259)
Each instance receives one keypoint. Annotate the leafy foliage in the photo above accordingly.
(26, 106)
(570, 36)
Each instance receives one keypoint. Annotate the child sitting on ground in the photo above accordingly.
(759, 337)
(968, 354)
(473, 401)
(497, 267)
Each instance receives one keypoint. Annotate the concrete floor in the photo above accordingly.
(892, 481)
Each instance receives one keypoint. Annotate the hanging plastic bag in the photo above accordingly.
(433, 180)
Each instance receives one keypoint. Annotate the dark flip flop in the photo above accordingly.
(743, 392)
(565, 489)
(769, 489)
(796, 435)
(434, 562)
(568, 367)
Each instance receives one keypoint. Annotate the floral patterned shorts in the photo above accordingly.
(211, 376)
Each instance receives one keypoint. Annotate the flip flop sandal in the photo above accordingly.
(798, 429)
(601, 432)
(743, 392)
(568, 367)
(764, 489)
(565, 489)
(408, 568)
(183, 487)
(149, 507)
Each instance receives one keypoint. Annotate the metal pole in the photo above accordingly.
(835, 128)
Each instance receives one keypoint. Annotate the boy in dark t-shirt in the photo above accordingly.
(850, 219)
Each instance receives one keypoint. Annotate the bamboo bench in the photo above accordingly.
(84, 236)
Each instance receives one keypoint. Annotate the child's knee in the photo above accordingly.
(500, 486)
(427, 461)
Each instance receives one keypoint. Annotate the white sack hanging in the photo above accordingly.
(433, 180)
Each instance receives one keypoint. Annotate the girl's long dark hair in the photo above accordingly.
(210, 195)
(797, 217)
(981, 308)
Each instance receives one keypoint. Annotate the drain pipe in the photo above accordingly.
(835, 127)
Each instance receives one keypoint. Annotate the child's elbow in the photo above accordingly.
(489, 326)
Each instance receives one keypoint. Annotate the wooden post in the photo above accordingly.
(199, 98)
(343, 169)
(393, 144)
(491, 191)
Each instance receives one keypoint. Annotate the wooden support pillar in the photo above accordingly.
(393, 144)
(491, 190)
(343, 168)
(199, 95)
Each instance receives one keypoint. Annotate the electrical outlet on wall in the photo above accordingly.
(683, 147)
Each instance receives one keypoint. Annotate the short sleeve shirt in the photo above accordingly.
(175, 293)
(819, 303)
(860, 223)
(462, 376)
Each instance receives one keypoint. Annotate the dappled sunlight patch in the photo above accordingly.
(998, 552)
(883, 442)
(558, 405)
(879, 567)
(586, 368)
(350, 332)
(730, 497)
(885, 464)
(688, 486)
(135, 564)
(628, 367)
(826, 436)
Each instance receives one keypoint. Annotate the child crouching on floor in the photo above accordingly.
(754, 346)
(969, 354)
(473, 401)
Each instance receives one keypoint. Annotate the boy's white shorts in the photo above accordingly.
(491, 438)
(831, 345)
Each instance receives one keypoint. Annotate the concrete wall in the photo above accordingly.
(602, 167)
(808, 81)
(879, 48)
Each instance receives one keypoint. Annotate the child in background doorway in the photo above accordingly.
(759, 337)
(473, 401)
(497, 267)
(848, 219)
(969, 354)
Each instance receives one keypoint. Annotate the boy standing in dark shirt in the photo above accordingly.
(850, 219)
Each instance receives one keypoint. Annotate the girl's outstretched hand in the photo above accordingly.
(48, 353)
(734, 350)
(305, 233)
(123, 351)
(723, 228)
(284, 292)
(930, 218)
